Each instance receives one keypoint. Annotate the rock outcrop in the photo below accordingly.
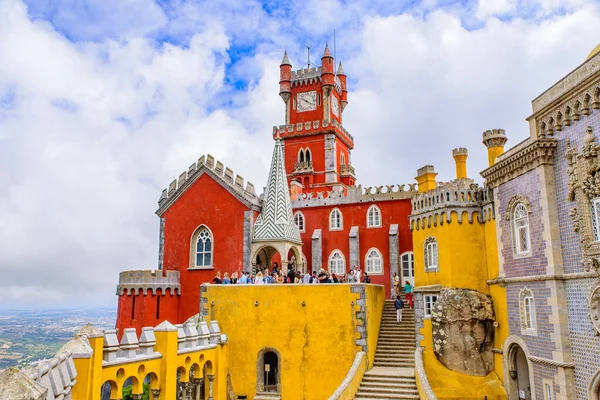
(463, 331)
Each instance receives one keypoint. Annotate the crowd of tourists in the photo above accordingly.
(266, 276)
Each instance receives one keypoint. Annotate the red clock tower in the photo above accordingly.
(316, 146)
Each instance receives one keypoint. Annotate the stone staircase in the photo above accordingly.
(393, 372)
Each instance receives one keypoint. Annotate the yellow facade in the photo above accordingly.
(315, 329)
(92, 373)
(462, 221)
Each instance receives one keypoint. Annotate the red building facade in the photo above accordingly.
(208, 214)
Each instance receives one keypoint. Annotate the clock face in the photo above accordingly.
(335, 106)
(307, 101)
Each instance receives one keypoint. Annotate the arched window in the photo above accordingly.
(342, 159)
(521, 230)
(335, 220)
(373, 217)
(301, 156)
(202, 248)
(337, 263)
(374, 262)
(527, 308)
(299, 220)
(431, 254)
(308, 155)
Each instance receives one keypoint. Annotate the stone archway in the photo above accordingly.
(518, 370)
(263, 252)
(268, 370)
(263, 257)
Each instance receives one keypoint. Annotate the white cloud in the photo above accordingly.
(91, 132)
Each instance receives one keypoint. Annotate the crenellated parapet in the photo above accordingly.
(458, 196)
(131, 282)
(356, 194)
(232, 182)
(316, 127)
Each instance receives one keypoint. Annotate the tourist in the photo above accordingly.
(306, 278)
(334, 278)
(408, 290)
(290, 276)
(396, 280)
(322, 276)
(399, 304)
(352, 277)
(226, 280)
(280, 279)
(259, 280)
(367, 278)
(314, 277)
(234, 278)
(357, 274)
(244, 279)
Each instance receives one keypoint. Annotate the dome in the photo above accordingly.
(593, 52)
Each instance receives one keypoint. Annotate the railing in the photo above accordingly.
(351, 382)
(303, 166)
(425, 391)
(347, 170)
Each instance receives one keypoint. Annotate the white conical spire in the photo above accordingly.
(276, 221)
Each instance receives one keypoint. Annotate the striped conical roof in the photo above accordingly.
(276, 221)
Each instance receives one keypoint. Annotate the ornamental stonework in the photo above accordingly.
(594, 300)
(584, 187)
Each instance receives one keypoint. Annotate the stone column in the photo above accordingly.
(201, 389)
(136, 396)
(155, 393)
(316, 250)
(211, 378)
(196, 383)
(354, 244)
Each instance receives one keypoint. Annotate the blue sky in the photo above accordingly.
(103, 103)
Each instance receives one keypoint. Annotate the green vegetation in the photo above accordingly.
(128, 389)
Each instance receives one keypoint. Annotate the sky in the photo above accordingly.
(104, 102)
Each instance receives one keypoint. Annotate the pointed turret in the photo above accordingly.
(326, 53)
(327, 67)
(342, 77)
(285, 84)
(286, 60)
(276, 221)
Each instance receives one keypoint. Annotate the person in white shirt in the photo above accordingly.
(357, 274)
(306, 278)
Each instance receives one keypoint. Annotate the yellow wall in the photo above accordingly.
(461, 254)
(316, 340)
(467, 258)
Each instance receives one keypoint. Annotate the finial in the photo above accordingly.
(326, 53)
(308, 62)
(286, 60)
(277, 137)
(589, 136)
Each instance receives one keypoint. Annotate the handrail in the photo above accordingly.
(423, 386)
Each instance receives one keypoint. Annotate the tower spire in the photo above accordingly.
(286, 60)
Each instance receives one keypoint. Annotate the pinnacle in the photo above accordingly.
(286, 60)
(326, 53)
(340, 70)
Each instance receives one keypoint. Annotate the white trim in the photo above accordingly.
(193, 249)
(376, 221)
(432, 261)
(329, 259)
(301, 215)
(367, 261)
(548, 389)
(341, 220)
(301, 154)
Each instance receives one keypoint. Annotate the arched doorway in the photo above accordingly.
(518, 383)
(265, 258)
(268, 371)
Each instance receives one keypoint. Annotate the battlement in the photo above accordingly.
(425, 170)
(356, 195)
(131, 282)
(315, 126)
(459, 195)
(235, 183)
(461, 151)
(305, 74)
(494, 137)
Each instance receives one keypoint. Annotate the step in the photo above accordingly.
(387, 390)
(389, 396)
(400, 380)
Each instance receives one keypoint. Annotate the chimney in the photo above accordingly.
(426, 178)
(460, 158)
(494, 140)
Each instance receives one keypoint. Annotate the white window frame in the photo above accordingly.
(194, 248)
(520, 225)
(299, 217)
(375, 212)
(431, 254)
(548, 390)
(429, 301)
(368, 264)
(411, 260)
(596, 219)
(527, 312)
(333, 224)
(340, 260)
